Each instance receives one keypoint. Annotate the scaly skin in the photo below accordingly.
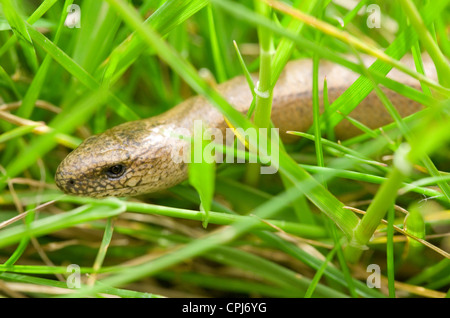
(145, 148)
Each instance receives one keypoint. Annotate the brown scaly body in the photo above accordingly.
(136, 157)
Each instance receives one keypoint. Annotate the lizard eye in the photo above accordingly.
(115, 171)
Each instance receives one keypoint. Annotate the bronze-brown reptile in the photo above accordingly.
(136, 157)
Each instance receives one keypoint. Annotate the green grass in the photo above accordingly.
(228, 231)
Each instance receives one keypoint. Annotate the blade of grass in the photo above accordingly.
(272, 271)
(39, 281)
(351, 40)
(286, 45)
(428, 163)
(163, 20)
(268, 271)
(384, 198)
(303, 230)
(44, 269)
(10, 82)
(427, 274)
(264, 87)
(330, 272)
(389, 196)
(326, 105)
(35, 88)
(351, 14)
(16, 132)
(442, 34)
(334, 145)
(73, 68)
(198, 247)
(316, 108)
(35, 16)
(415, 49)
(390, 253)
(23, 244)
(216, 52)
(227, 219)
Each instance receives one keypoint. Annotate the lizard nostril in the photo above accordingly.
(71, 182)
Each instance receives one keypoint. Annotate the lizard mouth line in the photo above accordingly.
(102, 193)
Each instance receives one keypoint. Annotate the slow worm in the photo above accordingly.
(136, 157)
